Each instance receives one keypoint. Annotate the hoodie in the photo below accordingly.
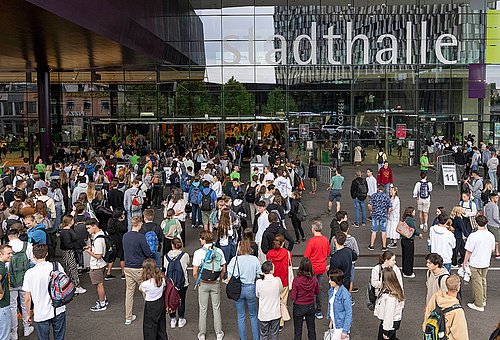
(491, 213)
(268, 237)
(303, 290)
(476, 187)
(436, 282)
(280, 259)
(37, 234)
(455, 321)
(442, 242)
(81, 187)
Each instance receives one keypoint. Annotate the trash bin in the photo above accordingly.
(326, 157)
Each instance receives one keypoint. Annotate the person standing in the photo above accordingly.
(343, 258)
(304, 287)
(294, 211)
(335, 190)
(460, 163)
(359, 190)
(436, 275)
(97, 264)
(358, 155)
(372, 189)
(317, 250)
(381, 207)
(385, 260)
(154, 324)
(491, 213)
(177, 254)
(478, 248)
(128, 201)
(442, 241)
(422, 194)
(381, 158)
(476, 188)
(393, 218)
(207, 201)
(268, 290)
(385, 177)
(339, 305)
(492, 166)
(312, 173)
(153, 232)
(136, 250)
(5, 313)
(408, 244)
(424, 163)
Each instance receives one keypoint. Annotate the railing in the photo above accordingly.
(446, 158)
(324, 174)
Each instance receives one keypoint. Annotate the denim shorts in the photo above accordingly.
(335, 195)
(379, 222)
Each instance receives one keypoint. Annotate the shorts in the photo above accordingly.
(495, 232)
(97, 275)
(335, 195)
(423, 205)
(205, 217)
(379, 223)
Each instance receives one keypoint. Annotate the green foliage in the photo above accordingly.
(277, 103)
(192, 99)
(145, 98)
(237, 101)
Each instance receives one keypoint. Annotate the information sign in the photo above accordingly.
(401, 131)
(449, 174)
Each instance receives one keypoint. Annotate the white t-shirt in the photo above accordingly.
(36, 281)
(480, 243)
(330, 305)
(217, 187)
(17, 246)
(98, 248)
(152, 291)
(199, 255)
(372, 185)
(268, 177)
(180, 205)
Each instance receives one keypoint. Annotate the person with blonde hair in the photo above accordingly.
(389, 305)
(393, 218)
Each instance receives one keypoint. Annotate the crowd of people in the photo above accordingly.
(88, 208)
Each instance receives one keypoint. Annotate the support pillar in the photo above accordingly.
(44, 123)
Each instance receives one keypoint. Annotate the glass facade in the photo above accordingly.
(380, 73)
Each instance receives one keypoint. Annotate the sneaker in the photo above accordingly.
(79, 290)
(98, 307)
(123, 277)
(455, 266)
(353, 303)
(421, 226)
(409, 276)
(281, 328)
(355, 290)
(473, 306)
(319, 316)
(128, 322)
(354, 225)
(303, 239)
(425, 227)
(311, 192)
(384, 248)
(13, 336)
(371, 248)
(201, 336)
(220, 336)
(297, 242)
(484, 305)
(173, 322)
(27, 331)
(329, 212)
(369, 218)
(106, 302)
(363, 224)
(497, 257)
(392, 245)
(314, 192)
(182, 322)
(109, 277)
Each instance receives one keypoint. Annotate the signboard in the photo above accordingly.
(309, 145)
(449, 174)
(497, 130)
(204, 165)
(401, 131)
(260, 166)
(304, 131)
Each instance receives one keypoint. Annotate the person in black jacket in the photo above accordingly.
(335, 224)
(69, 243)
(117, 227)
(274, 228)
(115, 196)
(343, 258)
(294, 209)
(149, 225)
(359, 189)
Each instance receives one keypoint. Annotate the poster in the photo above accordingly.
(304, 131)
(497, 130)
(449, 174)
(401, 131)
(309, 145)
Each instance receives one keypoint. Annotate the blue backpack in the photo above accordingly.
(175, 271)
(90, 169)
(193, 195)
(184, 182)
(152, 240)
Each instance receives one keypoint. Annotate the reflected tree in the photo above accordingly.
(192, 99)
(145, 98)
(237, 101)
(276, 102)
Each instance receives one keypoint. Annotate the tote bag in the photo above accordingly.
(233, 289)
(404, 229)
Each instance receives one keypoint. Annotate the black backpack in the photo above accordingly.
(111, 251)
(250, 195)
(362, 190)
(206, 201)
(380, 158)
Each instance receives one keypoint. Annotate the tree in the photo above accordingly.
(192, 98)
(145, 98)
(276, 102)
(237, 101)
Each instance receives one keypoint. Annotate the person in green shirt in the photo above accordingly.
(40, 167)
(5, 314)
(335, 189)
(134, 159)
(3, 163)
(389, 144)
(424, 162)
(235, 173)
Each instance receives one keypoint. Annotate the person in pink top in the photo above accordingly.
(317, 250)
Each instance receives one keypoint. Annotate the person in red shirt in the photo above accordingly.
(385, 177)
(317, 250)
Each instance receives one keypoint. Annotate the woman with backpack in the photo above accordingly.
(460, 233)
(381, 158)
(69, 243)
(294, 211)
(313, 174)
(389, 305)
(408, 244)
(385, 260)
(469, 211)
(154, 324)
(177, 254)
(178, 204)
(247, 268)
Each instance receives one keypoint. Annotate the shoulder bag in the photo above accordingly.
(404, 229)
(233, 289)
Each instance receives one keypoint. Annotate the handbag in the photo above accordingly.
(233, 288)
(188, 209)
(330, 333)
(284, 310)
(290, 271)
(404, 229)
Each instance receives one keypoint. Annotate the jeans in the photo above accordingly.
(320, 278)
(358, 204)
(269, 330)
(154, 322)
(299, 312)
(131, 214)
(493, 178)
(447, 266)
(58, 219)
(479, 203)
(248, 296)
(196, 215)
(229, 252)
(14, 293)
(157, 257)
(206, 291)
(5, 320)
(387, 187)
(58, 324)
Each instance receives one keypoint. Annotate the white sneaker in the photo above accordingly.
(80, 290)
(484, 304)
(409, 276)
(473, 306)
(182, 322)
(128, 322)
(27, 331)
(421, 226)
(13, 336)
(220, 336)
(201, 336)
(173, 322)
(425, 227)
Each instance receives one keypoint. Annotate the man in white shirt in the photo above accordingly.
(478, 248)
(422, 194)
(261, 222)
(372, 189)
(97, 264)
(442, 241)
(282, 184)
(36, 281)
(16, 291)
(268, 175)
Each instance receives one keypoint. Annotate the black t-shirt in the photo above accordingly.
(342, 259)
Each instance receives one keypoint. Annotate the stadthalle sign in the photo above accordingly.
(389, 53)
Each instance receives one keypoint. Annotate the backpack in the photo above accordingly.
(206, 201)
(250, 195)
(19, 264)
(212, 266)
(90, 169)
(193, 195)
(185, 179)
(424, 190)
(266, 200)
(137, 201)
(380, 158)
(362, 190)
(175, 273)
(61, 289)
(152, 240)
(111, 251)
(435, 326)
(371, 297)
(302, 212)
(172, 297)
